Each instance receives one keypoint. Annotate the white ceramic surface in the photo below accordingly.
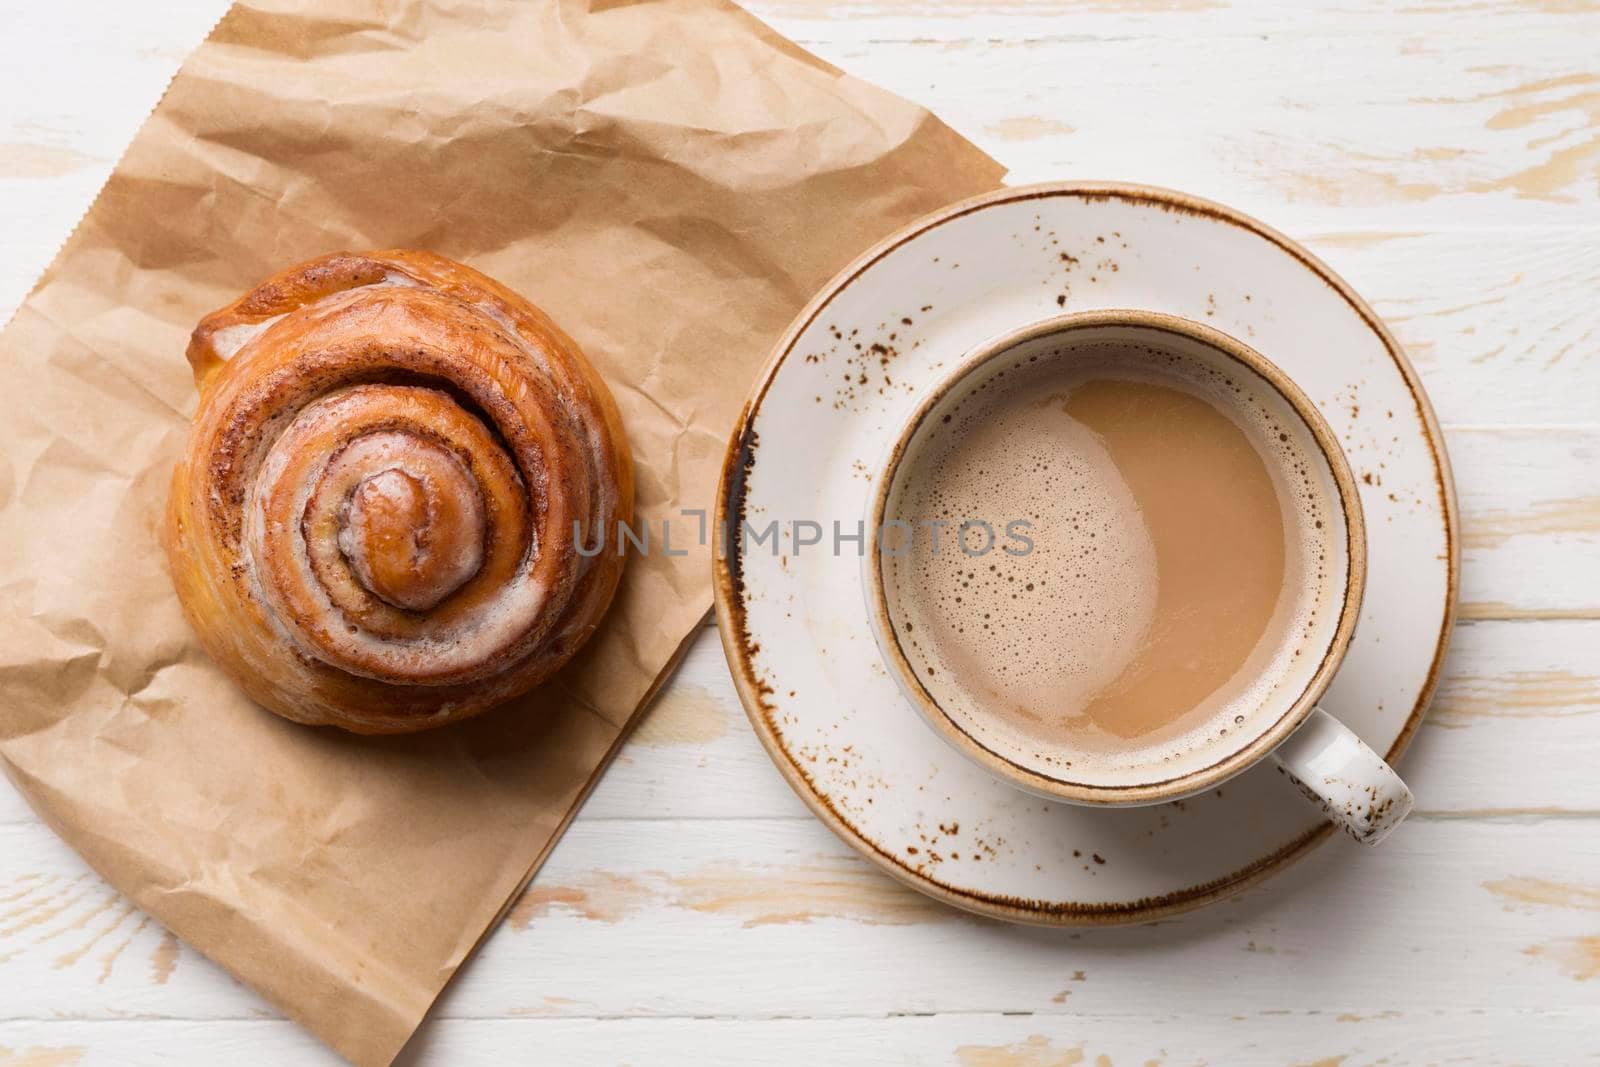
(1342, 775)
(844, 379)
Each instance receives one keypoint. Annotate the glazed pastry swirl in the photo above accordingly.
(373, 525)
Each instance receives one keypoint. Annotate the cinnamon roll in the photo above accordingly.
(392, 510)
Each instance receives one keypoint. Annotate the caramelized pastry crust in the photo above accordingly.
(375, 523)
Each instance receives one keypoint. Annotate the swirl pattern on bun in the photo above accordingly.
(391, 510)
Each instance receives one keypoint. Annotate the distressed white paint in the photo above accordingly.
(966, 1040)
(1446, 160)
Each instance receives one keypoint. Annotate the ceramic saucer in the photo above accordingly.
(850, 370)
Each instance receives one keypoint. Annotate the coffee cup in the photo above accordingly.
(1116, 558)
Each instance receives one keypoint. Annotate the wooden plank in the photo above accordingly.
(1430, 114)
(1498, 320)
(1145, 1034)
(1516, 698)
(1530, 520)
(80, 78)
(780, 919)
(1501, 325)
(1515, 701)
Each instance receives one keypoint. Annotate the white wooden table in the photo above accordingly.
(1446, 159)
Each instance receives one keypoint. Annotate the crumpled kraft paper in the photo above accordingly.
(671, 180)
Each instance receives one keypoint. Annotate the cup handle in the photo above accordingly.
(1335, 768)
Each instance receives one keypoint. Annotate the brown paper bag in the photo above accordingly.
(670, 180)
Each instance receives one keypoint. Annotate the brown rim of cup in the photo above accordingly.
(1172, 788)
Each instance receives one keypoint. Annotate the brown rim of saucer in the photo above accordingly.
(740, 647)
(1202, 778)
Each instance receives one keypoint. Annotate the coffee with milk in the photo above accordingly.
(1167, 557)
